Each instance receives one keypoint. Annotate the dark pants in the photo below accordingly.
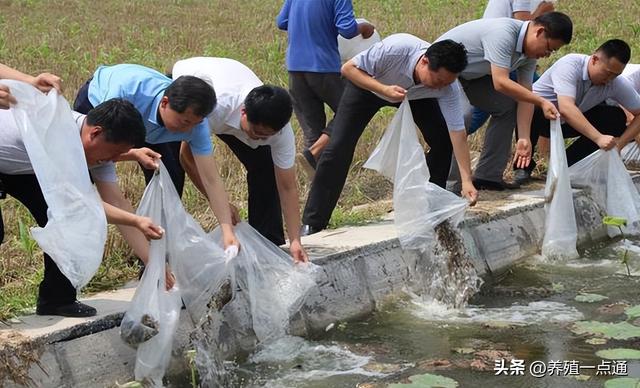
(609, 120)
(357, 108)
(310, 91)
(170, 151)
(55, 288)
(265, 213)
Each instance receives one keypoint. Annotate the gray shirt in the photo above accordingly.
(498, 42)
(505, 8)
(569, 77)
(14, 159)
(632, 72)
(393, 61)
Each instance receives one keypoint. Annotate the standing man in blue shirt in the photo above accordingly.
(172, 111)
(314, 63)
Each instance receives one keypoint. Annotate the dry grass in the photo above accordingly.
(71, 38)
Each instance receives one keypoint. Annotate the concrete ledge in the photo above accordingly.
(360, 267)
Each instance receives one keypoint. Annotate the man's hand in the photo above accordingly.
(469, 192)
(550, 111)
(150, 230)
(298, 253)
(366, 29)
(6, 98)
(147, 157)
(522, 157)
(235, 214)
(394, 93)
(169, 278)
(606, 142)
(47, 81)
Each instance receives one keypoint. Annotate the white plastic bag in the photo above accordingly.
(276, 287)
(419, 205)
(611, 187)
(349, 48)
(561, 232)
(76, 229)
(631, 154)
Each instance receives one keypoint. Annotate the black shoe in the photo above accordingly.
(481, 184)
(521, 176)
(74, 309)
(306, 230)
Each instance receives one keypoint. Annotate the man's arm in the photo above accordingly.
(633, 129)
(574, 117)
(503, 84)
(288, 191)
(363, 80)
(461, 151)
(44, 81)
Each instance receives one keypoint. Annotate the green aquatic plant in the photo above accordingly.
(619, 222)
(620, 330)
(590, 298)
(619, 354)
(633, 312)
(623, 382)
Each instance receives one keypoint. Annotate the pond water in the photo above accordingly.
(527, 315)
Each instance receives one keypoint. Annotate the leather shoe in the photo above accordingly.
(521, 176)
(74, 309)
(306, 230)
(481, 184)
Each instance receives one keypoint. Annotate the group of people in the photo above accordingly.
(132, 112)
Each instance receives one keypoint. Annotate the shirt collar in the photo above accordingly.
(585, 69)
(521, 36)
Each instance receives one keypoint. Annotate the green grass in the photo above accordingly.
(73, 37)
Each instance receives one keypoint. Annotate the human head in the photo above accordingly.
(608, 61)
(266, 110)
(186, 102)
(547, 33)
(441, 64)
(110, 129)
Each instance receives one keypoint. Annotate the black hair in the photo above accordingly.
(120, 121)
(616, 48)
(448, 54)
(188, 91)
(268, 105)
(557, 26)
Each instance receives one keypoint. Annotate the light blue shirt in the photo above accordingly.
(144, 88)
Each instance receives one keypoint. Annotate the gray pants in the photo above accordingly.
(310, 91)
(498, 138)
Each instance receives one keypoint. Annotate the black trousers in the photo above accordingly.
(608, 119)
(310, 91)
(265, 213)
(170, 151)
(356, 109)
(55, 288)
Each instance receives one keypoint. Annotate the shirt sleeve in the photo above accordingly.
(344, 20)
(526, 71)
(521, 6)
(565, 77)
(200, 141)
(451, 107)
(625, 95)
(635, 80)
(498, 48)
(283, 150)
(372, 61)
(283, 17)
(105, 172)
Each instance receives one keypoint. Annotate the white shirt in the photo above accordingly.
(569, 77)
(14, 159)
(505, 8)
(232, 81)
(393, 61)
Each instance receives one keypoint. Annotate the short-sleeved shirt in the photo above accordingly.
(144, 88)
(14, 159)
(393, 60)
(313, 27)
(232, 82)
(632, 72)
(569, 77)
(498, 42)
(505, 8)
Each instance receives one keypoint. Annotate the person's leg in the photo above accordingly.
(82, 103)
(428, 117)
(329, 87)
(56, 295)
(265, 213)
(608, 119)
(308, 107)
(356, 109)
(171, 159)
(499, 134)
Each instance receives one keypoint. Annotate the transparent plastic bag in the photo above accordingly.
(276, 287)
(349, 48)
(561, 232)
(419, 205)
(611, 187)
(76, 229)
(630, 155)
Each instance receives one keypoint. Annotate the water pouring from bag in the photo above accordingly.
(230, 253)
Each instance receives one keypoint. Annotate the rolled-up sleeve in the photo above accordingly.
(451, 107)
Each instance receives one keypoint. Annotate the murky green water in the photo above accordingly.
(527, 314)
